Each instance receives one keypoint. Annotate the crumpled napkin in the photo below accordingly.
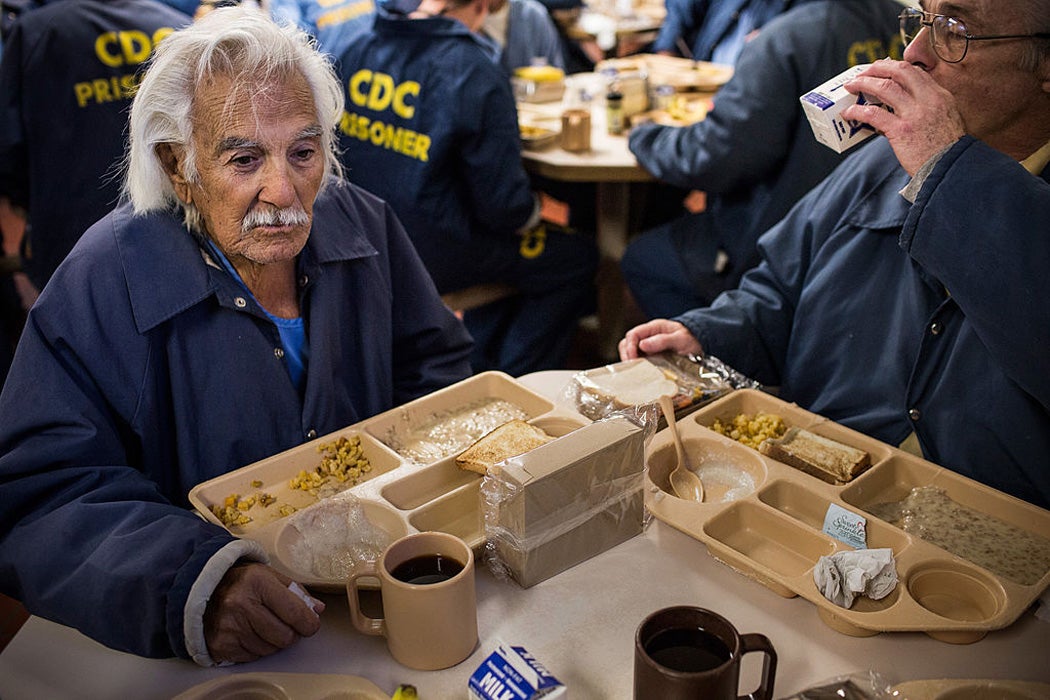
(310, 601)
(843, 576)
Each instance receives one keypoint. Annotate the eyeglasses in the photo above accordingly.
(948, 35)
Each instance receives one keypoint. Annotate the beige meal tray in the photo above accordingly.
(971, 689)
(774, 534)
(285, 686)
(400, 494)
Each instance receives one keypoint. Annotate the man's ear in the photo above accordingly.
(171, 157)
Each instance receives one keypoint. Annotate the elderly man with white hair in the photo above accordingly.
(242, 302)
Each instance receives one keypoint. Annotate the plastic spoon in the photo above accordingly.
(684, 482)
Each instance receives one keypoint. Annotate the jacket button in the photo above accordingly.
(304, 280)
(311, 434)
(914, 414)
(241, 302)
(936, 327)
(278, 353)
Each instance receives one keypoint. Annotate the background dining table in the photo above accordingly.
(615, 172)
(580, 624)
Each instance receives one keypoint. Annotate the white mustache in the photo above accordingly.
(291, 216)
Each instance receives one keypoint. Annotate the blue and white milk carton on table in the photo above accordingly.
(512, 673)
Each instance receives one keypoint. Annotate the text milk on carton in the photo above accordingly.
(512, 673)
(823, 105)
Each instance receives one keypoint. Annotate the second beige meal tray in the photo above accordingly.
(285, 686)
(412, 483)
(770, 526)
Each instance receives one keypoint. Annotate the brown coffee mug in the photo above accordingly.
(430, 612)
(685, 652)
(576, 130)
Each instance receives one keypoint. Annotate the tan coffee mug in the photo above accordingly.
(685, 652)
(576, 130)
(430, 612)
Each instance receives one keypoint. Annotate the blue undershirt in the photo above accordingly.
(291, 330)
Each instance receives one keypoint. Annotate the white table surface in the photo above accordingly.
(580, 624)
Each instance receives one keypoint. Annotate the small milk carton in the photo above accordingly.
(822, 106)
(512, 673)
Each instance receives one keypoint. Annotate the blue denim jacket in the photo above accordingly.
(431, 127)
(66, 83)
(755, 155)
(704, 24)
(892, 318)
(143, 370)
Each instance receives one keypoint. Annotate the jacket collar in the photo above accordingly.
(167, 271)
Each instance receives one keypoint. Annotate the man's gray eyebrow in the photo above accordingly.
(231, 143)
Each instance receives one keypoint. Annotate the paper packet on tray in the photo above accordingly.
(633, 387)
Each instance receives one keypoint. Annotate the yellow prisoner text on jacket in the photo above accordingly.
(378, 92)
(116, 49)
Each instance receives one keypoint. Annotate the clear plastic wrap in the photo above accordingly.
(564, 502)
(335, 536)
(625, 388)
(860, 685)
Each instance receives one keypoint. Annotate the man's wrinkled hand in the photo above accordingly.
(252, 613)
(917, 116)
(657, 336)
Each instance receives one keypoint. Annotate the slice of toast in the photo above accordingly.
(511, 439)
(818, 456)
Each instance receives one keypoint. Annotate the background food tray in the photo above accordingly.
(774, 534)
(398, 495)
(285, 686)
(971, 689)
(684, 74)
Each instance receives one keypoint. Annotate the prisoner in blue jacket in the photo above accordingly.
(12, 10)
(69, 72)
(526, 35)
(148, 366)
(904, 295)
(713, 30)
(754, 154)
(431, 127)
(334, 23)
(890, 318)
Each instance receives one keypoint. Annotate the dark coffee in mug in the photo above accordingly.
(688, 649)
(686, 652)
(427, 569)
